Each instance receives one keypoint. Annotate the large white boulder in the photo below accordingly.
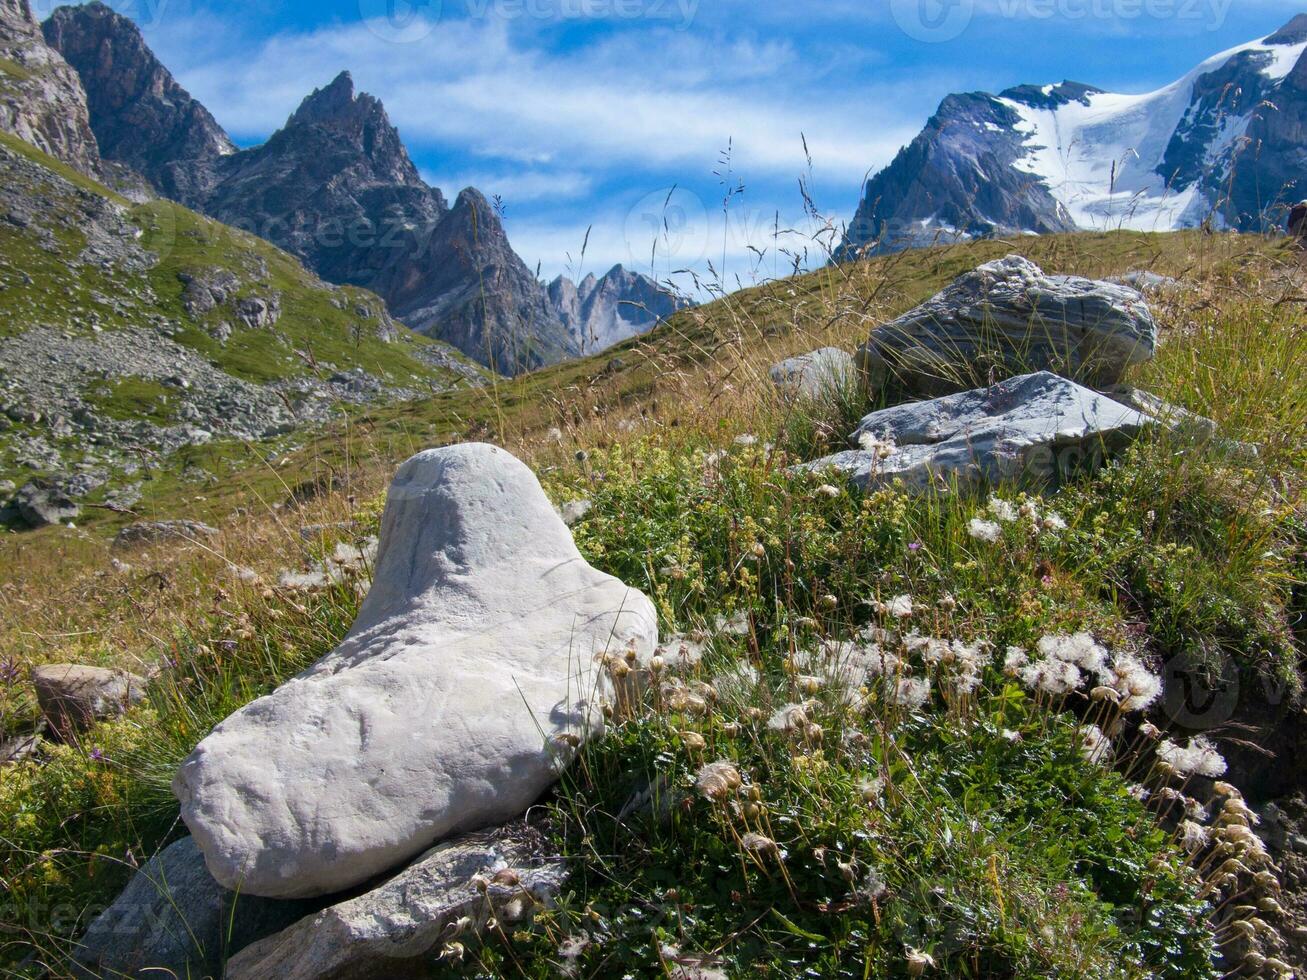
(1032, 429)
(1008, 318)
(452, 704)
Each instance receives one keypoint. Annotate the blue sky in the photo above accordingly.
(584, 114)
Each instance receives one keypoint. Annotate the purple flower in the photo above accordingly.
(97, 755)
(915, 546)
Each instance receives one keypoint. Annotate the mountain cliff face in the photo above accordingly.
(603, 312)
(41, 98)
(1224, 145)
(335, 187)
(140, 115)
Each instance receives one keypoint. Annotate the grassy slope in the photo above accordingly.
(999, 858)
(319, 331)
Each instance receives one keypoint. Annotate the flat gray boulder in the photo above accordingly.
(1033, 429)
(156, 532)
(448, 895)
(173, 919)
(814, 375)
(1008, 318)
(456, 699)
(41, 503)
(73, 697)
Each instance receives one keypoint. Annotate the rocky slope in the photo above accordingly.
(41, 99)
(620, 305)
(1224, 145)
(335, 187)
(128, 332)
(140, 116)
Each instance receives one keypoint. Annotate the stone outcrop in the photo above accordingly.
(73, 697)
(1032, 429)
(41, 97)
(40, 503)
(155, 532)
(1007, 318)
(463, 688)
(140, 115)
(449, 894)
(173, 919)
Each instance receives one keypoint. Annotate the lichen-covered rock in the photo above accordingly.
(1033, 428)
(43, 502)
(448, 894)
(1008, 318)
(463, 687)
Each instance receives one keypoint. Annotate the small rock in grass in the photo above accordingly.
(73, 697)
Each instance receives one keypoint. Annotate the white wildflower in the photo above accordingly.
(1014, 658)
(983, 530)
(828, 490)
(1193, 836)
(1079, 649)
(1198, 758)
(1055, 677)
(1094, 745)
(882, 447)
(900, 607)
(919, 962)
(788, 718)
(872, 789)
(1138, 686)
(912, 692)
(1002, 510)
(1053, 522)
(737, 681)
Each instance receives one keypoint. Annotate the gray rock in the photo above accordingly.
(1033, 428)
(503, 874)
(73, 697)
(173, 919)
(258, 311)
(458, 695)
(1181, 420)
(43, 502)
(19, 749)
(814, 375)
(153, 532)
(1147, 282)
(1007, 318)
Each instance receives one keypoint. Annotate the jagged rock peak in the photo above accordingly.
(140, 114)
(337, 105)
(42, 102)
(1294, 32)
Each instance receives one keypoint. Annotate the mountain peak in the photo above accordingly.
(1294, 32)
(333, 103)
(140, 115)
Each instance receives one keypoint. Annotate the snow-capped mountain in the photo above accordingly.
(1225, 145)
(603, 312)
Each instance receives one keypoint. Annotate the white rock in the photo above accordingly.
(1033, 428)
(814, 375)
(452, 704)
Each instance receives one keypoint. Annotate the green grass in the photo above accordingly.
(991, 844)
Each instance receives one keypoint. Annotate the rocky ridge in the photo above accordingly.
(1056, 158)
(41, 97)
(335, 187)
(619, 305)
